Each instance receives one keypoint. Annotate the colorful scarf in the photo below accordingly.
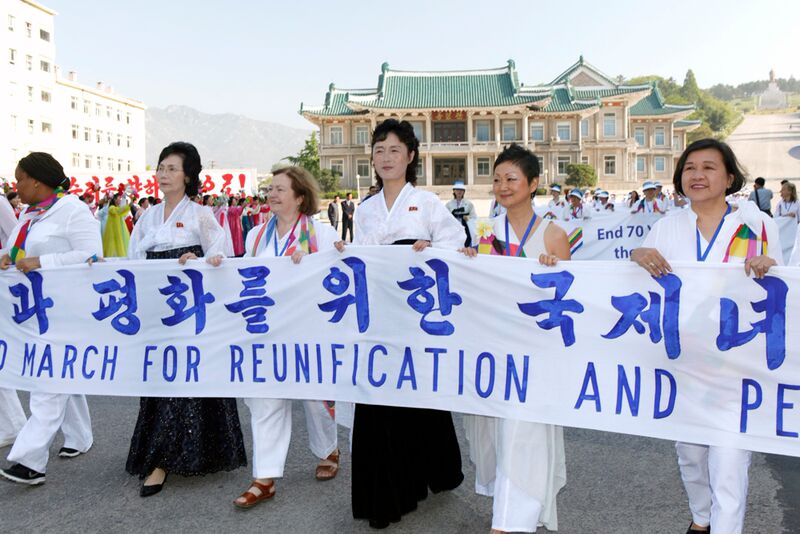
(489, 243)
(36, 211)
(746, 244)
(307, 240)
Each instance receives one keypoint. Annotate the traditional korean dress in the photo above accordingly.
(519, 463)
(272, 418)
(716, 478)
(185, 436)
(786, 209)
(116, 234)
(63, 234)
(235, 223)
(399, 453)
(221, 214)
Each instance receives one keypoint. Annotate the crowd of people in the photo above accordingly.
(520, 465)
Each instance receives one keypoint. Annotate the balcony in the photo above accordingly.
(459, 147)
(344, 150)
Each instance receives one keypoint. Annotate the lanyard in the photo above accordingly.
(288, 240)
(702, 256)
(524, 237)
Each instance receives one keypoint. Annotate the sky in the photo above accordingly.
(262, 59)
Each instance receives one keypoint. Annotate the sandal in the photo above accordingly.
(327, 468)
(251, 499)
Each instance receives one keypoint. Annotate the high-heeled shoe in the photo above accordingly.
(149, 491)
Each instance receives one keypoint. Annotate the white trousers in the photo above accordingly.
(716, 482)
(49, 412)
(271, 420)
(12, 417)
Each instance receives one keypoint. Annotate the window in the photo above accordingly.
(12, 56)
(638, 135)
(44, 65)
(75, 129)
(336, 135)
(108, 113)
(44, 35)
(659, 136)
(11, 23)
(609, 165)
(119, 140)
(87, 134)
(484, 167)
(30, 126)
(98, 136)
(419, 130)
(540, 159)
(362, 136)
(110, 163)
(585, 128)
(74, 103)
(420, 169)
(12, 89)
(29, 62)
(362, 168)
(660, 163)
(609, 125)
(119, 119)
(537, 131)
(641, 164)
(129, 165)
(128, 142)
(99, 163)
(509, 131)
(86, 106)
(483, 131)
(676, 142)
(108, 140)
(87, 161)
(119, 165)
(585, 160)
(45, 96)
(76, 159)
(28, 29)
(127, 118)
(337, 167)
(30, 93)
(564, 131)
(98, 110)
(562, 163)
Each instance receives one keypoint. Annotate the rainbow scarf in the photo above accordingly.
(35, 211)
(575, 239)
(307, 240)
(492, 245)
(746, 244)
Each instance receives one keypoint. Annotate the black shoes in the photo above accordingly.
(149, 491)
(66, 452)
(22, 475)
(695, 531)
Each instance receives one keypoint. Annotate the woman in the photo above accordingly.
(69, 236)
(788, 206)
(246, 204)
(235, 223)
(186, 436)
(116, 235)
(462, 209)
(650, 203)
(521, 464)
(292, 232)
(576, 211)
(398, 453)
(633, 198)
(715, 478)
(16, 203)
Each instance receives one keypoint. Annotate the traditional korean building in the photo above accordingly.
(463, 119)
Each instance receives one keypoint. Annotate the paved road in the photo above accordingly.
(616, 483)
(766, 145)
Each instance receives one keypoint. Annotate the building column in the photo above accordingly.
(497, 129)
(428, 170)
(469, 129)
(525, 129)
(625, 119)
(428, 130)
(470, 168)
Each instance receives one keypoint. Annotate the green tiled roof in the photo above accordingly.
(562, 101)
(653, 104)
(336, 103)
(565, 76)
(686, 124)
(588, 94)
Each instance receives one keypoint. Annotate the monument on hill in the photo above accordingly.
(772, 97)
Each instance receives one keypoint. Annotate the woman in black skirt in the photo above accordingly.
(185, 436)
(400, 453)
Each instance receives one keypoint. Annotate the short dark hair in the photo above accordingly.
(12, 195)
(522, 158)
(191, 163)
(142, 200)
(732, 165)
(405, 132)
(45, 169)
(760, 181)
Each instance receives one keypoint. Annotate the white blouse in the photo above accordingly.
(785, 209)
(189, 224)
(325, 234)
(65, 234)
(415, 214)
(675, 237)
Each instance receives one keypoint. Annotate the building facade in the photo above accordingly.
(89, 129)
(463, 120)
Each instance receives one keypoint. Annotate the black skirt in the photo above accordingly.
(398, 454)
(186, 436)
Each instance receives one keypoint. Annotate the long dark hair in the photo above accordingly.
(405, 132)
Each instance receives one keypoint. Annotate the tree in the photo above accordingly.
(581, 175)
(690, 89)
(308, 158)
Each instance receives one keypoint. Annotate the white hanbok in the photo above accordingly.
(271, 419)
(715, 478)
(65, 234)
(788, 209)
(519, 463)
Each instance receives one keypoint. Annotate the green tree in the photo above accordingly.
(308, 158)
(690, 89)
(581, 175)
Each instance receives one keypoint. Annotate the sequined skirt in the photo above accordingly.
(185, 436)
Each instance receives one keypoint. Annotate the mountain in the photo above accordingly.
(230, 141)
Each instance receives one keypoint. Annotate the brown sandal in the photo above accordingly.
(327, 468)
(251, 499)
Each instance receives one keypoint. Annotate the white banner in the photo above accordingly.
(705, 355)
(213, 182)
